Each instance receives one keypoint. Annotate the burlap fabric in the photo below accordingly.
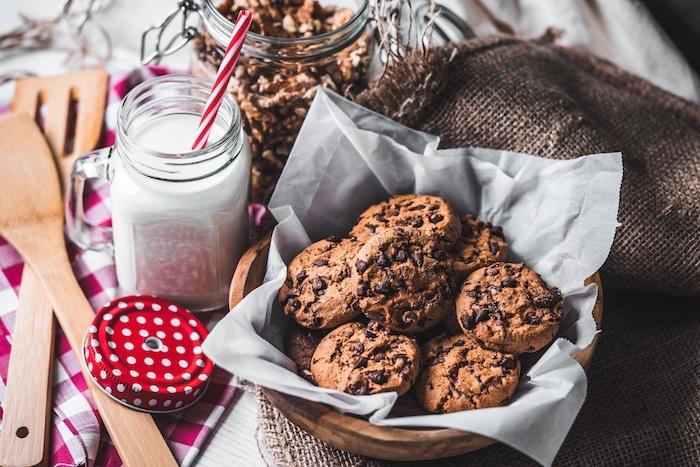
(643, 406)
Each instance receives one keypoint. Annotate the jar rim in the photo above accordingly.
(166, 166)
(339, 36)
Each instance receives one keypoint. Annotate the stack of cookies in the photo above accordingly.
(412, 271)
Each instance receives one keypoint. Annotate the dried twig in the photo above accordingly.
(39, 34)
(397, 29)
(32, 34)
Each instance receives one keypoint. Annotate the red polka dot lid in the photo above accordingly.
(146, 352)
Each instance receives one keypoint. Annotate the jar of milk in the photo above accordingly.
(179, 217)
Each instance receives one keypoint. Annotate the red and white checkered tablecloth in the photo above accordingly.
(77, 435)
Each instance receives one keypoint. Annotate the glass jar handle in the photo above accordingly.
(165, 47)
(91, 166)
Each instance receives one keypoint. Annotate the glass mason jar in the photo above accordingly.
(276, 77)
(179, 217)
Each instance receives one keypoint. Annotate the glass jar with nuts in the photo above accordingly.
(292, 47)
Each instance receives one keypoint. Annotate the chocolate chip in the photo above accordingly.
(361, 390)
(409, 317)
(362, 290)
(301, 276)
(383, 261)
(318, 284)
(321, 262)
(494, 248)
(377, 377)
(333, 239)
(508, 363)
(474, 293)
(418, 258)
(434, 207)
(294, 303)
(379, 356)
(405, 371)
(361, 362)
(435, 218)
(358, 347)
(417, 207)
(314, 322)
(355, 306)
(469, 322)
(556, 295)
(483, 315)
(544, 301)
(509, 282)
(370, 335)
(459, 342)
(371, 227)
(392, 213)
(361, 266)
(497, 230)
(380, 217)
(375, 326)
(418, 223)
(440, 255)
(435, 360)
(383, 288)
(401, 255)
(533, 319)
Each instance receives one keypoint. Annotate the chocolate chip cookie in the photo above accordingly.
(429, 214)
(459, 374)
(299, 345)
(403, 279)
(479, 245)
(361, 360)
(318, 292)
(509, 307)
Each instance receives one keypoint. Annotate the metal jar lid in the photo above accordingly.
(146, 352)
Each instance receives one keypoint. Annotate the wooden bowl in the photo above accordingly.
(356, 434)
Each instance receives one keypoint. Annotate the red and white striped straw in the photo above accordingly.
(223, 76)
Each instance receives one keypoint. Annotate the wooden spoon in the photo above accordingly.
(27, 405)
(31, 219)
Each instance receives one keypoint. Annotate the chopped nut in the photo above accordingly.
(274, 96)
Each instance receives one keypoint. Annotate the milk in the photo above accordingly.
(179, 239)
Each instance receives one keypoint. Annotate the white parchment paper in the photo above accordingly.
(559, 217)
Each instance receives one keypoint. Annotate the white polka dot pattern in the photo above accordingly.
(144, 343)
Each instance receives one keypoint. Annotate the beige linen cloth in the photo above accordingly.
(643, 406)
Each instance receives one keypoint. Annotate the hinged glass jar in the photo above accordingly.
(276, 78)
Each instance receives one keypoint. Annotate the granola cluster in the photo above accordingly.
(274, 95)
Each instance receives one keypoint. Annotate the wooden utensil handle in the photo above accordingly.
(25, 422)
(134, 434)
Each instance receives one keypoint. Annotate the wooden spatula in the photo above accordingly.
(72, 108)
(31, 219)
(74, 105)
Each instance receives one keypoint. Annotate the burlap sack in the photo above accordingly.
(643, 406)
